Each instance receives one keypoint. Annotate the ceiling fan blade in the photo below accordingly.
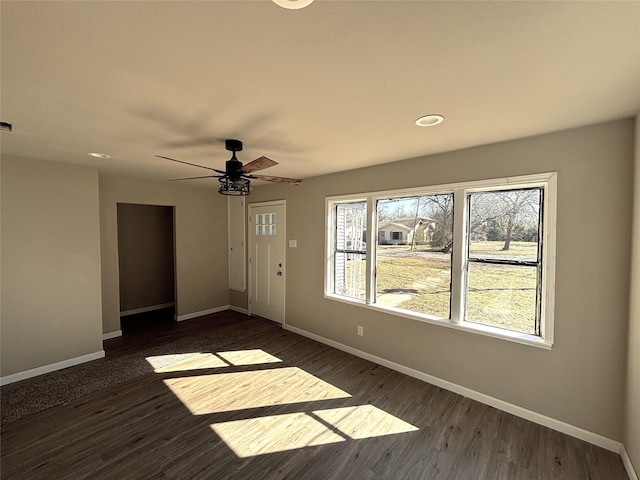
(269, 178)
(187, 163)
(194, 178)
(259, 163)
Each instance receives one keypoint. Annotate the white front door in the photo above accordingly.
(266, 260)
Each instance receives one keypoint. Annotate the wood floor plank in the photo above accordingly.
(280, 406)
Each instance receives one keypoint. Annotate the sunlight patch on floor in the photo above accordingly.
(225, 392)
(182, 362)
(364, 421)
(248, 357)
(278, 433)
(165, 363)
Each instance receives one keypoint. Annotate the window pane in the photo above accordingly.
(502, 296)
(351, 223)
(413, 263)
(350, 275)
(505, 224)
(350, 268)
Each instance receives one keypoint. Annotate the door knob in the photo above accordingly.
(279, 274)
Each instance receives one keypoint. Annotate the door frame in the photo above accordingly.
(283, 204)
(174, 260)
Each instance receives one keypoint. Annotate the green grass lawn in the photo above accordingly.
(499, 295)
(502, 296)
(428, 280)
(494, 249)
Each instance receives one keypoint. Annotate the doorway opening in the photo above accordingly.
(146, 259)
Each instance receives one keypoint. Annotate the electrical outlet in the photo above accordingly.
(360, 330)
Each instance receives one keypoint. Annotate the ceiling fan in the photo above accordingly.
(236, 178)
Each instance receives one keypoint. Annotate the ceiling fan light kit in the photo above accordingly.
(238, 188)
(235, 179)
(293, 4)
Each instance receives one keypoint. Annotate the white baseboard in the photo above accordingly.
(34, 372)
(150, 308)
(189, 316)
(238, 309)
(633, 475)
(577, 432)
(107, 336)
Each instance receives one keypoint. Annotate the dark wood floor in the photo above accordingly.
(158, 327)
(280, 406)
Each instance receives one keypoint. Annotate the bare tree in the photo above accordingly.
(440, 209)
(504, 211)
(415, 223)
(392, 209)
(384, 211)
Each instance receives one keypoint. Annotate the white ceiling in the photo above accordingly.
(335, 86)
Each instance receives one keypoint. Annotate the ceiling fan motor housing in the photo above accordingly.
(233, 145)
(233, 165)
(233, 168)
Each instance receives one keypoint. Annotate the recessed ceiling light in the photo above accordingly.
(429, 120)
(293, 4)
(98, 155)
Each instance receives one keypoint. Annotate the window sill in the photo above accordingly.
(486, 330)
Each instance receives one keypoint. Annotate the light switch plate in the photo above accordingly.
(293, 243)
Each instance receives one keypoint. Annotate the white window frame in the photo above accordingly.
(546, 181)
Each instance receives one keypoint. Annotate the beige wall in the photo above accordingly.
(51, 273)
(200, 243)
(632, 410)
(581, 380)
(51, 299)
(145, 255)
(238, 299)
